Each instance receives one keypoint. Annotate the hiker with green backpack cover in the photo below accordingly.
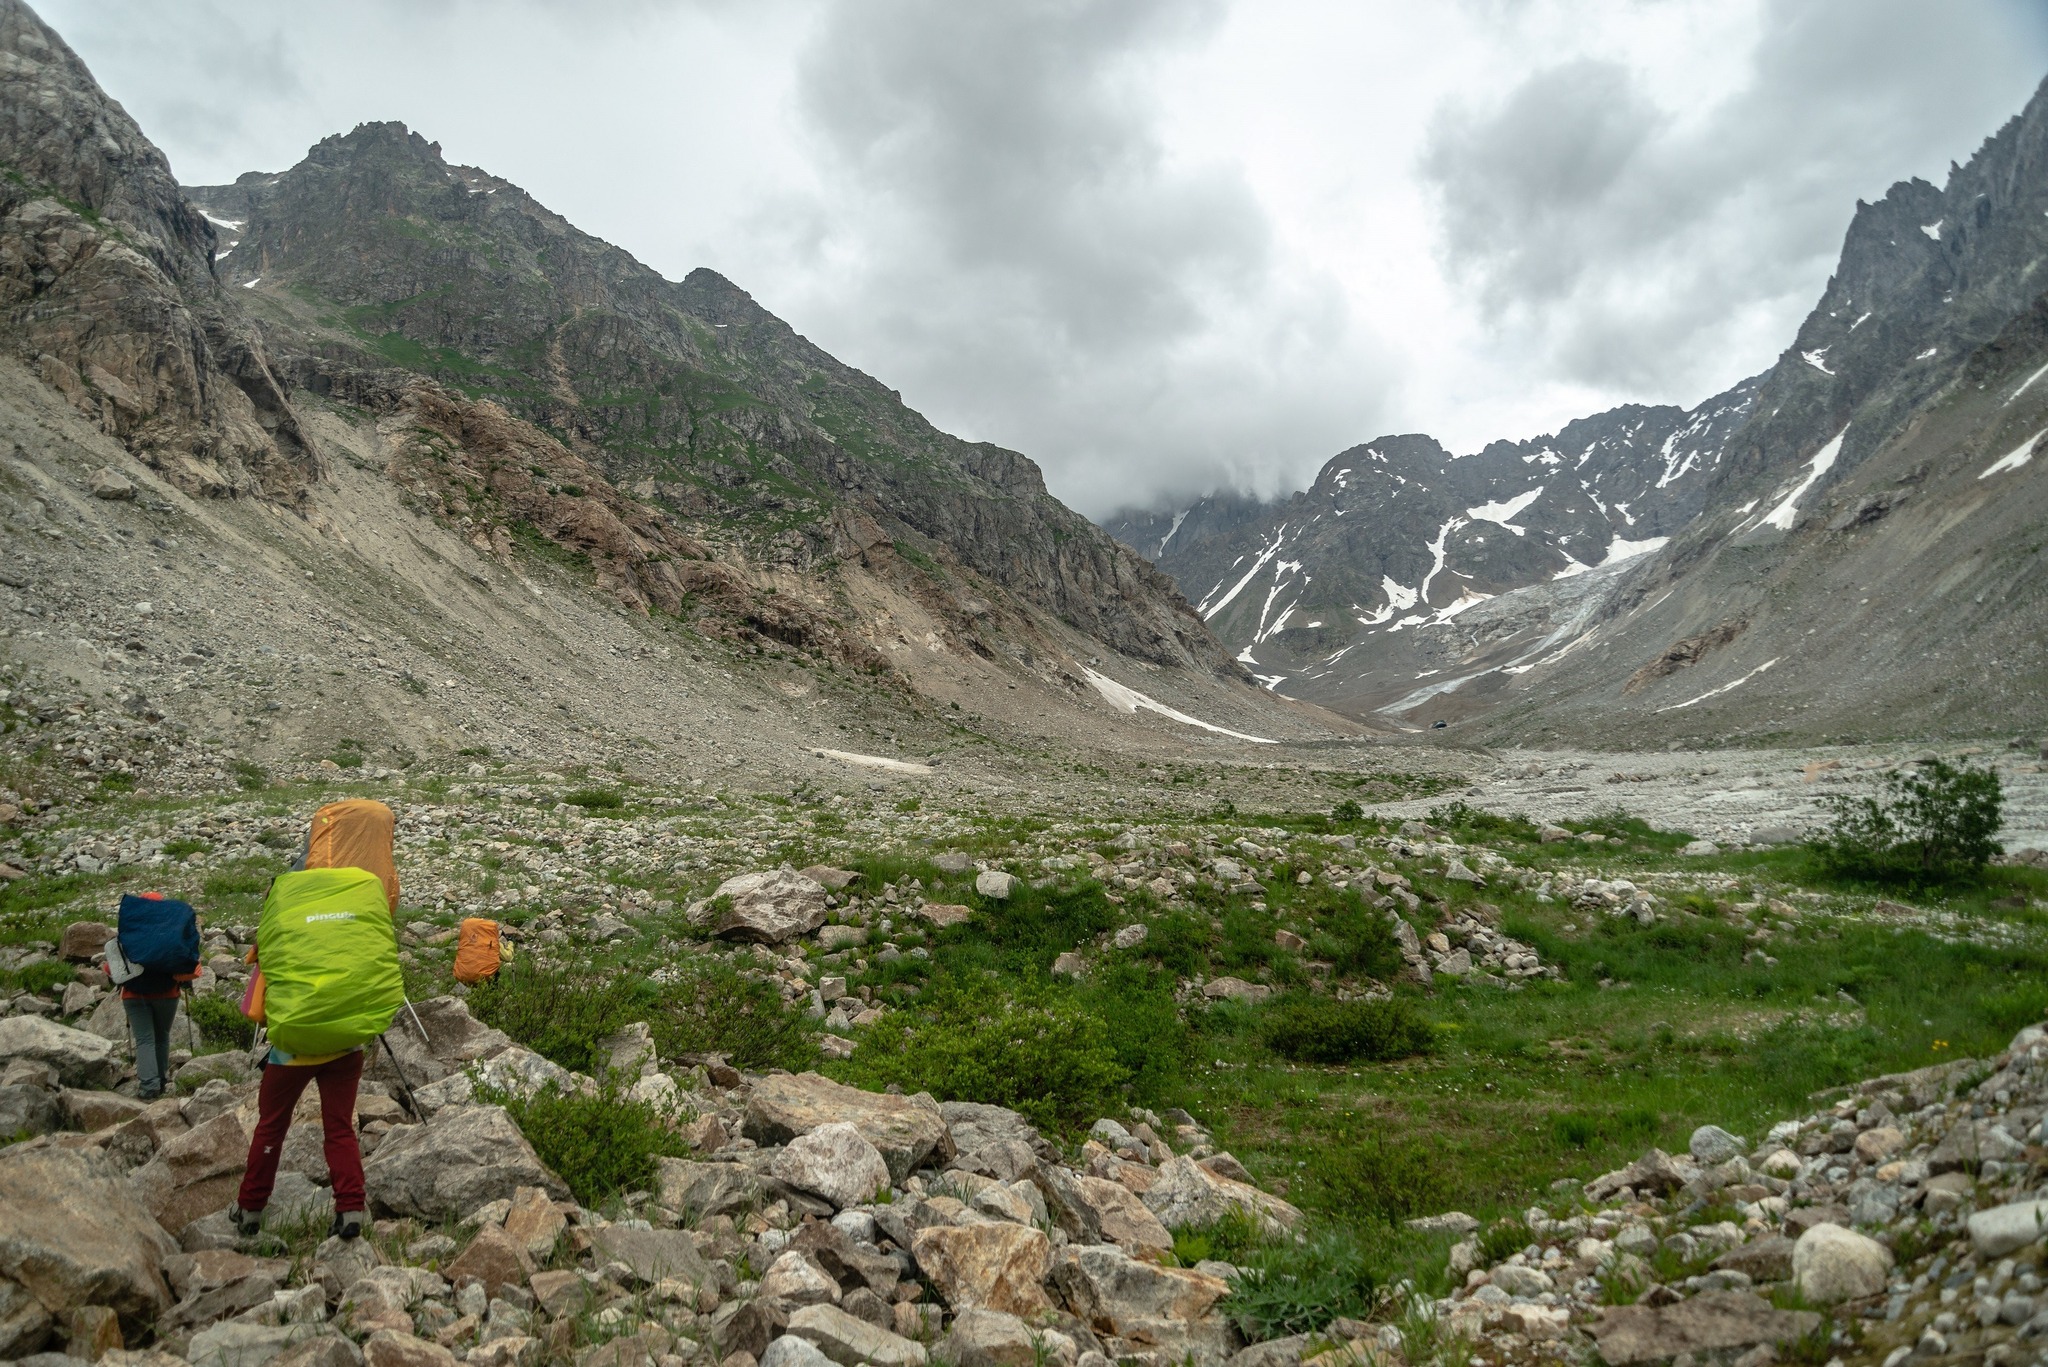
(327, 983)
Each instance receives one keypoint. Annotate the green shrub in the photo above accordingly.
(1147, 1035)
(1464, 819)
(712, 1009)
(1308, 1028)
(220, 1021)
(40, 978)
(1355, 939)
(186, 844)
(1031, 1050)
(1298, 1287)
(1936, 826)
(1503, 1239)
(601, 1145)
(560, 1013)
(249, 775)
(1348, 810)
(1375, 1182)
(1231, 1239)
(595, 799)
(1579, 1130)
(1178, 942)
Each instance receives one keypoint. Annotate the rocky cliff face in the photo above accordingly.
(374, 252)
(1325, 592)
(1843, 545)
(107, 287)
(1868, 560)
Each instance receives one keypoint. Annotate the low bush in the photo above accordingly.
(602, 1145)
(40, 978)
(1030, 1049)
(1231, 1239)
(1356, 940)
(595, 799)
(1581, 1130)
(1298, 1286)
(1939, 825)
(1308, 1028)
(220, 1021)
(713, 1009)
(1502, 1240)
(560, 1013)
(1377, 1182)
(1147, 1036)
(1474, 822)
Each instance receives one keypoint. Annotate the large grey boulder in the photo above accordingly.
(462, 1158)
(990, 1338)
(993, 1266)
(1711, 1146)
(81, 1059)
(1115, 1293)
(1186, 1193)
(73, 1235)
(1711, 1322)
(2008, 1228)
(833, 1161)
(196, 1173)
(515, 1069)
(24, 1324)
(905, 1130)
(434, 1038)
(1123, 1218)
(850, 1341)
(653, 1254)
(977, 1125)
(1168, 1307)
(234, 1343)
(27, 1111)
(701, 1190)
(792, 1351)
(1832, 1264)
(763, 908)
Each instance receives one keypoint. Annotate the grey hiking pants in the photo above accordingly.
(149, 1021)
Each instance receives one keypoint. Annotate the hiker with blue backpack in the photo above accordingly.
(154, 953)
(326, 983)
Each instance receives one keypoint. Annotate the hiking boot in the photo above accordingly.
(348, 1224)
(247, 1223)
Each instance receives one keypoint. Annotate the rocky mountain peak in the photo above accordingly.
(66, 137)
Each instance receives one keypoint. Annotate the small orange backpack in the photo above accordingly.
(478, 950)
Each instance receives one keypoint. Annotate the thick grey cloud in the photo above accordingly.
(1022, 244)
(1632, 240)
(1159, 246)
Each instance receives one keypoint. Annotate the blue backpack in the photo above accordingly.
(158, 933)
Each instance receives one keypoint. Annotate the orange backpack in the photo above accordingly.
(354, 834)
(478, 950)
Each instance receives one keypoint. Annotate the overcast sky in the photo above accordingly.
(1159, 245)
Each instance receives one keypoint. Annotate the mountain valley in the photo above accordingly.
(1838, 544)
(945, 932)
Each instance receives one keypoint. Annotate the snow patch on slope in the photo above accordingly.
(1823, 460)
(1130, 700)
(2015, 458)
(1503, 512)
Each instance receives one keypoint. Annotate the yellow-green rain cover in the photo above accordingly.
(330, 961)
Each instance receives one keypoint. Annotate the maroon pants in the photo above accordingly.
(283, 1084)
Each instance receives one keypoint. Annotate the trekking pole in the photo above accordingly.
(412, 1102)
(416, 1023)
